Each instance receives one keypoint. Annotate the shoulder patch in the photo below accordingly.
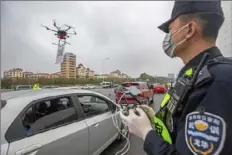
(205, 133)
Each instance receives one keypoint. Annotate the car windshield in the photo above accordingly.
(134, 90)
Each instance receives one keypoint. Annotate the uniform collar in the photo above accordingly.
(213, 52)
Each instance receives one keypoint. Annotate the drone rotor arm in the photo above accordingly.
(49, 28)
(45, 27)
(67, 29)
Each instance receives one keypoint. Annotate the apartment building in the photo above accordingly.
(68, 66)
(118, 74)
(115, 74)
(83, 72)
(55, 75)
(43, 75)
(90, 73)
(224, 41)
(28, 74)
(14, 73)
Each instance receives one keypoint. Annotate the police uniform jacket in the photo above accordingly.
(205, 127)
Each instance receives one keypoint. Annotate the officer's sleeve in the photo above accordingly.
(204, 131)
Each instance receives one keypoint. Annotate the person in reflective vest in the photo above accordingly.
(195, 114)
(36, 87)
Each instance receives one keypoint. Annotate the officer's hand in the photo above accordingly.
(149, 111)
(138, 125)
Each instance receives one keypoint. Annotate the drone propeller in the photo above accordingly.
(66, 42)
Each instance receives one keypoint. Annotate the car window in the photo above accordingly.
(48, 114)
(93, 106)
(131, 84)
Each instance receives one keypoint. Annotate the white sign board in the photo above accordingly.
(60, 54)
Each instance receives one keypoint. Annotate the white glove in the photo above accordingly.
(138, 125)
(149, 111)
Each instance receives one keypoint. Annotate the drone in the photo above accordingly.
(62, 34)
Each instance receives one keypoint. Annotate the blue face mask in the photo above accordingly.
(168, 46)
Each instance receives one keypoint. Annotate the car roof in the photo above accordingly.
(38, 93)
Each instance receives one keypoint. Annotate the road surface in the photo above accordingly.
(135, 142)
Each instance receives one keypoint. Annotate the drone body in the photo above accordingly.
(62, 34)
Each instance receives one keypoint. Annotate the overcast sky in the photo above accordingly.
(126, 32)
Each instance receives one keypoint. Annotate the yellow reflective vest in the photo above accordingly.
(36, 87)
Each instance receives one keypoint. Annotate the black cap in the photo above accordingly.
(187, 7)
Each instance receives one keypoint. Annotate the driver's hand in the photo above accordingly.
(138, 125)
(149, 111)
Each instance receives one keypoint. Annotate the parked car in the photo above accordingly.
(159, 88)
(91, 87)
(106, 84)
(72, 87)
(146, 95)
(49, 87)
(57, 121)
(85, 87)
(23, 87)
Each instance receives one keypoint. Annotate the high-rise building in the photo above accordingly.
(224, 41)
(68, 66)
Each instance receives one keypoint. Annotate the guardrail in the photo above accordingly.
(5, 90)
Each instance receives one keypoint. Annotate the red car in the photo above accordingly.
(146, 95)
(159, 89)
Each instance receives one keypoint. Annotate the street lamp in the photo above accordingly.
(103, 69)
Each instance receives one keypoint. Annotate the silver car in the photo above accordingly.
(57, 122)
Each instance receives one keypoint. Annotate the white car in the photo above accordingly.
(91, 87)
(57, 122)
(85, 87)
(74, 87)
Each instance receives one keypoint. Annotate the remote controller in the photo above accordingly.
(136, 112)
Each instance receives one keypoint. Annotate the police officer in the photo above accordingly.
(201, 124)
(36, 87)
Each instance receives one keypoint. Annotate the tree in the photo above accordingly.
(145, 76)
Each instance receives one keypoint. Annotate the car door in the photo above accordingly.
(98, 113)
(50, 126)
